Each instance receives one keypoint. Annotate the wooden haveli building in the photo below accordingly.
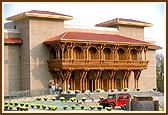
(112, 55)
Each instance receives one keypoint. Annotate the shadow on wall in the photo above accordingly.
(39, 57)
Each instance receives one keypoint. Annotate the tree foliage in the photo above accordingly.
(160, 72)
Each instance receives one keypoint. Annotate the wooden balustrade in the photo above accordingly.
(96, 64)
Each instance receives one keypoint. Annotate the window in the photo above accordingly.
(112, 97)
(92, 53)
(121, 54)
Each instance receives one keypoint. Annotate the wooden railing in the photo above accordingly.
(96, 64)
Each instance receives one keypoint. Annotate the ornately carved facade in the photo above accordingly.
(95, 64)
(111, 55)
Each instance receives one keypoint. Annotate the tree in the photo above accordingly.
(160, 72)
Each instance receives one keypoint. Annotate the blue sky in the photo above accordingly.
(89, 14)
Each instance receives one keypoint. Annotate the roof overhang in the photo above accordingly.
(120, 21)
(13, 41)
(95, 39)
(36, 15)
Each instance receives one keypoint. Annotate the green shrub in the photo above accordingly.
(16, 103)
(77, 91)
(99, 107)
(25, 108)
(6, 102)
(73, 107)
(44, 106)
(45, 98)
(108, 108)
(101, 97)
(125, 89)
(83, 99)
(53, 98)
(154, 89)
(6, 106)
(138, 89)
(98, 90)
(21, 104)
(38, 106)
(26, 104)
(18, 107)
(22, 108)
(11, 103)
(65, 107)
(92, 107)
(32, 105)
(54, 108)
(62, 98)
(68, 91)
(39, 98)
(49, 107)
(72, 99)
(82, 107)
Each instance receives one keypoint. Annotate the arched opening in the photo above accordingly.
(52, 54)
(104, 81)
(121, 54)
(93, 54)
(66, 53)
(78, 53)
(91, 80)
(107, 52)
(134, 54)
(75, 80)
(118, 80)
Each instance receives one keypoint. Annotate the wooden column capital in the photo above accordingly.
(112, 74)
(137, 74)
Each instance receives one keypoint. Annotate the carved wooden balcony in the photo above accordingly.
(80, 64)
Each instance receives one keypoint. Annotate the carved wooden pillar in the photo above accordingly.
(60, 73)
(111, 81)
(128, 53)
(115, 52)
(65, 76)
(140, 53)
(71, 51)
(97, 80)
(62, 49)
(125, 78)
(100, 49)
(136, 77)
(86, 51)
(145, 50)
(68, 77)
(68, 51)
(82, 80)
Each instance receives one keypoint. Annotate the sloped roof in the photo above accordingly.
(13, 41)
(122, 21)
(83, 36)
(40, 14)
(154, 47)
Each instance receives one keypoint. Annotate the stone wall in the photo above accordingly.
(147, 80)
(39, 31)
(132, 32)
(11, 68)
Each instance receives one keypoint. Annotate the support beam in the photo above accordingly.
(112, 77)
(136, 78)
(83, 76)
(97, 85)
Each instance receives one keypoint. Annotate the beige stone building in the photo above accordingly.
(39, 48)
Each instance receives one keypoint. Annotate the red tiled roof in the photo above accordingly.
(41, 14)
(123, 21)
(45, 12)
(13, 41)
(83, 36)
(154, 47)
